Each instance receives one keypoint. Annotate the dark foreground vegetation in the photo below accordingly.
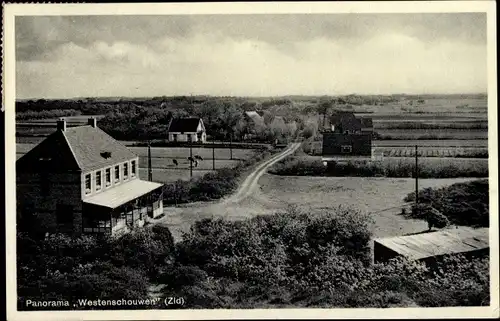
(305, 166)
(290, 259)
(461, 203)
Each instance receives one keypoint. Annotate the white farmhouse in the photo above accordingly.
(187, 130)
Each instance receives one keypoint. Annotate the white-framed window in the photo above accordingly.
(125, 170)
(346, 149)
(132, 168)
(108, 177)
(88, 183)
(98, 180)
(117, 174)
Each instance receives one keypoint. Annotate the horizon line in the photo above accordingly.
(249, 96)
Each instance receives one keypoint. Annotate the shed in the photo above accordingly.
(430, 246)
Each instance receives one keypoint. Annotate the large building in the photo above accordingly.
(347, 137)
(429, 247)
(81, 180)
(189, 129)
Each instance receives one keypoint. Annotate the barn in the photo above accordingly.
(429, 247)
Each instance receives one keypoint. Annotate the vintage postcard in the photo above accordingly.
(251, 160)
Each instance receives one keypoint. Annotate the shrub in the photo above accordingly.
(346, 227)
(435, 218)
(306, 166)
(461, 203)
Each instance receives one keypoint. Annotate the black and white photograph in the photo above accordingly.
(257, 160)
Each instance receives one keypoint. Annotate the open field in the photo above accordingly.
(164, 170)
(430, 143)
(468, 134)
(182, 153)
(427, 161)
(170, 175)
(468, 152)
(427, 148)
(381, 196)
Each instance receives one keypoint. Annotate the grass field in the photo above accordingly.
(164, 170)
(427, 148)
(170, 175)
(382, 197)
(416, 134)
(183, 153)
(427, 161)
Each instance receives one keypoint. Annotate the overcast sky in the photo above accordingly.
(250, 55)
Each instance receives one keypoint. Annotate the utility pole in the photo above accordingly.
(231, 144)
(150, 169)
(416, 174)
(190, 158)
(213, 154)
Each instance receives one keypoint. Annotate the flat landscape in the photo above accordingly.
(164, 169)
(381, 196)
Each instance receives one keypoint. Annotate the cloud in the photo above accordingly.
(264, 55)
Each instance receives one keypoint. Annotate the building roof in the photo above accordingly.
(76, 148)
(449, 241)
(121, 194)
(255, 116)
(184, 125)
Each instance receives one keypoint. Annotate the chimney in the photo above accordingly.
(93, 122)
(61, 124)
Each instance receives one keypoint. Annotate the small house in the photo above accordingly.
(81, 180)
(428, 247)
(190, 129)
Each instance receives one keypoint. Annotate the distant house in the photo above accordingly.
(189, 129)
(428, 247)
(253, 120)
(81, 180)
(347, 137)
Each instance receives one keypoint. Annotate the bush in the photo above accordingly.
(90, 267)
(305, 166)
(461, 203)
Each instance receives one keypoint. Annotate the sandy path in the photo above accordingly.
(247, 202)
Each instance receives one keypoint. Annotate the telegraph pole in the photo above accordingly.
(150, 169)
(231, 144)
(191, 158)
(416, 174)
(213, 154)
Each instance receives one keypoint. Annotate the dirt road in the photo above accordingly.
(246, 202)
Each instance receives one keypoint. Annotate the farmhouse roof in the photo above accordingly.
(450, 241)
(348, 121)
(182, 125)
(76, 148)
(254, 116)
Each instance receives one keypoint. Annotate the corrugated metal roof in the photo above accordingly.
(123, 193)
(449, 241)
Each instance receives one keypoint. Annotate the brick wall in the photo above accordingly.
(333, 142)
